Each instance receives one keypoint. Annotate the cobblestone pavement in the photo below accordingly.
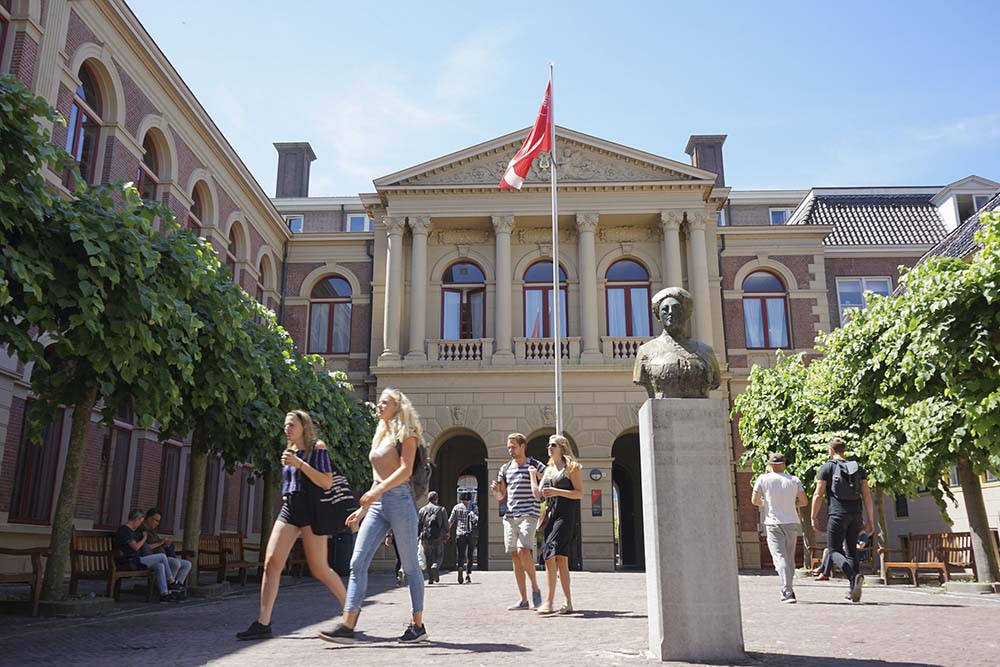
(469, 625)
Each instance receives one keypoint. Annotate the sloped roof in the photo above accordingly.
(872, 218)
(962, 240)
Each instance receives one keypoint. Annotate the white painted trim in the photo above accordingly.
(168, 153)
(330, 267)
(316, 203)
(880, 250)
(740, 196)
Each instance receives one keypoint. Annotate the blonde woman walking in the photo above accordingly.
(305, 461)
(388, 505)
(562, 488)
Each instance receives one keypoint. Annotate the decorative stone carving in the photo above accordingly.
(543, 235)
(577, 163)
(548, 414)
(463, 236)
(586, 222)
(420, 224)
(457, 415)
(503, 224)
(394, 224)
(672, 218)
(700, 217)
(619, 234)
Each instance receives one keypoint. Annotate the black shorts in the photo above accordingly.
(295, 510)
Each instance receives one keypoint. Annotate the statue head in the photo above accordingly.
(672, 307)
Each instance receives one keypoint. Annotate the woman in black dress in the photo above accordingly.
(561, 487)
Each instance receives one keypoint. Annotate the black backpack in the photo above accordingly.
(433, 531)
(423, 471)
(846, 480)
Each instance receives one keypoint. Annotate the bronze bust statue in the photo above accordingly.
(673, 365)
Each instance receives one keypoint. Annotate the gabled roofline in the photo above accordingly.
(971, 184)
(561, 132)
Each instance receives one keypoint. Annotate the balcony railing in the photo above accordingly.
(542, 350)
(621, 349)
(473, 351)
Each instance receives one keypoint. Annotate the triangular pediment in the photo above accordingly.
(582, 159)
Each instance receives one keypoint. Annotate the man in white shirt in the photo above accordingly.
(778, 494)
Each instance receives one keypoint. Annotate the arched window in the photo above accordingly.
(147, 176)
(197, 211)
(263, 278)
(538, 300)
(628, 299)
(463, 302)
(4, 21)
(765, 311)
(84, 126)
(330, 316)
(232, 250)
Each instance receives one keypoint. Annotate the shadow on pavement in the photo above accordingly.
(383, 643)
(599, 613)
(885, 604)
(782, 659)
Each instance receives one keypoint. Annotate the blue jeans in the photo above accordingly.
(180, 568)
(393, 511)
(158, 563)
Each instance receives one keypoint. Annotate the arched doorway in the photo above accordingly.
(537, 448)
(461, 461)
(626, 476)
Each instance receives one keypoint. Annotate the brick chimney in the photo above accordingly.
(293, 169)
(706, 153)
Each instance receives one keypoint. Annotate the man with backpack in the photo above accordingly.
(845, 485)
(779, 494)
(465, 522)
(432, 526)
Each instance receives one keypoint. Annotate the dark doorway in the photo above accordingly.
(537, 448)
(626, 476)
(463, 456)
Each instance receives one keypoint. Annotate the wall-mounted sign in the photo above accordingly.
(595, 502)
(596, 474)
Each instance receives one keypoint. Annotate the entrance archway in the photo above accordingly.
(537, 448)
(461, 460)
(626, 476)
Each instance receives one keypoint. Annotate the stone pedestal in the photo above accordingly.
(692, 585)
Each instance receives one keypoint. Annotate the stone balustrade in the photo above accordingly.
(542, 350)
(465, 351)
(621, 349)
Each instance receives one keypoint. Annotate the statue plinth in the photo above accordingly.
(692, 584)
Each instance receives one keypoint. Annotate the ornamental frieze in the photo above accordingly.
(460, 236)
(627, 234)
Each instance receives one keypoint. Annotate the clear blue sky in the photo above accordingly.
(810, 93)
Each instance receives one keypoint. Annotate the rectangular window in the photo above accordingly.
(114, 470)
(617, 322)
(851, 292)
(358, 223)
(720, 218)
(295, 223)
(780, 216)
(902, 507)
(170, 468)
(35, 474)
(246, 492)
(341, 343)
(319, 326)
(210, 501)
(991, 476)
(954, 480)
(979, 201)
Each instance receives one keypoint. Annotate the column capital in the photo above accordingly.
(420, 224)
(699, 218)
(587, 221)
(503, 224)
(671, 219)
(394, 224)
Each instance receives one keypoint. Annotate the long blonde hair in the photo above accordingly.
(308, 429)
(404, 423)
(567, 455)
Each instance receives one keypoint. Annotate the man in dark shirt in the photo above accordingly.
(179, 567)
(844, 484)
(130, 540)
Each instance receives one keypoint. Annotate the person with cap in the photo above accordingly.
(778, 494)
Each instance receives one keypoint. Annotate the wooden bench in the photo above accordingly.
(210, 556)
(33, 578)
(233, 556)
(921, 553)
(296, 559)
(92, 556)
(955, 550)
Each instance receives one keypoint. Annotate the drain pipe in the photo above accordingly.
(284, 283)
(370, 251)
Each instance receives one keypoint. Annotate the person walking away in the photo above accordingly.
(513, 485)
(844, 485)
(432, 526)
(562, 487)
(461, 521)
(388, 505)
(304, 461)
(778, 494)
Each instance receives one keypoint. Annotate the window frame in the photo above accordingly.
(762, 297)
(19, 480)
(302, 222)
(986, 199)
(146, 176)
(112, 444)
(628, 287)
(4, 30)
(75, 128)
(864, 299)
(169, 509)
(211, 510)
(546, 289)
(313, 301)
(232, 247)
(366, 226)
(779, 209)
(905, 506)
(464, 301)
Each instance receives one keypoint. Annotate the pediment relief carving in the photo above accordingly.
(577, 164)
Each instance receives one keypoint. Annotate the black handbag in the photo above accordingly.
(331, 507)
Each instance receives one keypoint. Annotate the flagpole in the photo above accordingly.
(556, 294)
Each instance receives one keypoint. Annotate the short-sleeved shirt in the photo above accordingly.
(780, 491)
(123, 536)
(520, 502)
(293, 479)
(461, 519)
(835, 506)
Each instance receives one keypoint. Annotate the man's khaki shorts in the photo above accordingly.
(519, 533)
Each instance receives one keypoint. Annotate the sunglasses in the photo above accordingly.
(551, 445)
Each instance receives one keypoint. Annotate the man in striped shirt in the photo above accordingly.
(513, 482)
(461, 520)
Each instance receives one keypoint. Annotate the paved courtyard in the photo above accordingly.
(468, 626)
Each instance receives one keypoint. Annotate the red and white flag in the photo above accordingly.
(538, 140)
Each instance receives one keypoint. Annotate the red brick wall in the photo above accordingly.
(187, 163)
(137, 105)
(297, 325)
(296, 275)
(77, 35)
(231, 503)
(90, 474)
(871, 267)
(23, 58)
(360, 322)
(146, 475)
(10, 449)
(64, 102)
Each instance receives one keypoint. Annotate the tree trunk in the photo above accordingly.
(267, 511)
(62, 522)
(881, 540)
(195, 497)
(984, 548)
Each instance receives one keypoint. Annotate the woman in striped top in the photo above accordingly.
(305, 461)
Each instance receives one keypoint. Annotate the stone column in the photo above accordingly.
(698, 274)
(502, 227)
(419, 226)
(393, 292)
(670, 222)
(586, 225)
